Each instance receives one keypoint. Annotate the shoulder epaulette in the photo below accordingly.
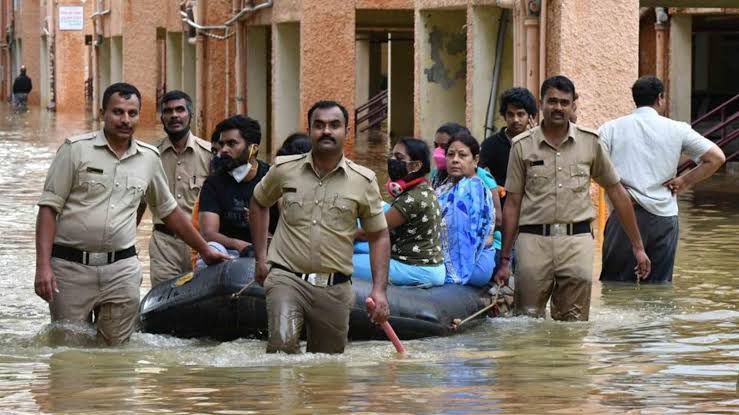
(149, 146)
(287, 159)
(521, 136)
(363, 171)
(588, 130)
(205, 145)
(81, 137)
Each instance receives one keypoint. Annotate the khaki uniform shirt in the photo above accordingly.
(96, 195)
(186, 172)
(318, 216)
(555, 181)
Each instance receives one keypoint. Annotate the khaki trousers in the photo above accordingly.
(560, 267)
(170, 257)
(110, 291)
(292, 303)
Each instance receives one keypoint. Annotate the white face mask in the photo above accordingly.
(240, 172)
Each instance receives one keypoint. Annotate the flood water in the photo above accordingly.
(655, 349)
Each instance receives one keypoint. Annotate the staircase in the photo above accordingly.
(372, 113)
(720, 125)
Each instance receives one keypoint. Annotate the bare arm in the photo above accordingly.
(711, 160)
(259, 222)
(180, 224)
(625, 210)
(498, 209)
(511, 214)
(45, 282)
(210, 223)
(379, 243)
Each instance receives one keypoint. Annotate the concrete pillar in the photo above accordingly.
(174, 60)
(327, 34)
(532, 53)
(660, 32)
(286, 94)
(483, 26)
(188, 66)
(362, 77)
(43, 82)
(258, 76)
(28, 31)
(680, 67)
(117, 65)
(400, 85)
(69, 65)
(104, 69)
(441, 65)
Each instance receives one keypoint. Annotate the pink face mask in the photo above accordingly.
(439, 156)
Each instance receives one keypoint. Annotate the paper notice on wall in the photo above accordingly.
(71, 18)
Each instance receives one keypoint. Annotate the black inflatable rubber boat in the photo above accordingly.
(205, 304)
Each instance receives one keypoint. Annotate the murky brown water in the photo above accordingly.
(657, 349)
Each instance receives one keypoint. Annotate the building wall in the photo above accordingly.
(28, 33)
(70, 63)
(598, 51)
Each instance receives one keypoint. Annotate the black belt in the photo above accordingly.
(160, 227)
(91, 258)
(557, 229)
(334, 278)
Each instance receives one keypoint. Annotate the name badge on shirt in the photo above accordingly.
(289, 190)
(94, 170)
(536, 163)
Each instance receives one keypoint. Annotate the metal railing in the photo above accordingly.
(375, 112)
(725, 137)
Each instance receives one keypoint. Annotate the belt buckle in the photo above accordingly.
(97, 259)
(318, 279)
(558, 229)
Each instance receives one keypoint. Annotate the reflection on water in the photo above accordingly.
(660, 348)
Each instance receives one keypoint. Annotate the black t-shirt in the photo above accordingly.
(222, 195)
(494, 154)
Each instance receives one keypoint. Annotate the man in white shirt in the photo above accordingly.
(645, 148)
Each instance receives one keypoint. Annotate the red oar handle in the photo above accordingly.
(387, 328)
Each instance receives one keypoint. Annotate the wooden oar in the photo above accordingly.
(457, 322)
(241, 291)
(387, 328)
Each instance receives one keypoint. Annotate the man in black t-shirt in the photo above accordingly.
(518, 108)
(224, 199)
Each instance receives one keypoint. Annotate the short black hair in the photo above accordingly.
(559, 82)
(123, 89)
(295, 143)
(247, 126)
(646, 90)
(174, 95)
(520, 98)
(451, 128)
(467, 139)
(216, 135)
(418, 150)
(324, 105)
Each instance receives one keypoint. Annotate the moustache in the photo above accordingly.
(327, 137)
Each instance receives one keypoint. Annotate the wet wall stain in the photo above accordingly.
(448, 54)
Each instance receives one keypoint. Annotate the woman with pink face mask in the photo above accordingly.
(439, 175)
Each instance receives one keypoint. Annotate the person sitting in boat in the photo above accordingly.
(224, 200)
(468, 216)
(413, 218)
(439, 174)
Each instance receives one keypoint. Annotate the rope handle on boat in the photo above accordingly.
(241, 291)
(387, 328)
(457, 322)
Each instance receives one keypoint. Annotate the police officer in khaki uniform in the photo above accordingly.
(86, 226)
(322, 194)
(186, 159)
(549, 204)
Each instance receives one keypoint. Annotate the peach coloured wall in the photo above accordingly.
(140, 53)
(440, 4)
(385, 4)
(598, 51)
(327, 33)
(71, 62)
(283, 11)
(30, 32)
